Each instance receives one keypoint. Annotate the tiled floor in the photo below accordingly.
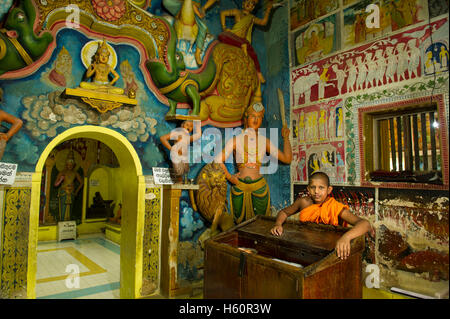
(96, 259)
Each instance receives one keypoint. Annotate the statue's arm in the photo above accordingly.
(208, 4)
(116, 76)
(264, 20)
(230, 146)
(80, 180)
(165, 141)
(59, 179)
(15, 122)
(284, 156)
(227, 13)
(90, 70)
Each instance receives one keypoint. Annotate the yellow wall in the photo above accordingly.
(99, 181)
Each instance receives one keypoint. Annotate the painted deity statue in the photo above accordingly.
(188, 24)
(250, 193)
(179, 154)
(99, 71)
(240, 34)
(65, 180)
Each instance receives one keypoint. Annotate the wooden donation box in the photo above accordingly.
(247, 261)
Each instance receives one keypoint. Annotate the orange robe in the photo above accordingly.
(325, 213)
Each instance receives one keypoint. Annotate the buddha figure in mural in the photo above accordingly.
(65, 180)
(99, 70)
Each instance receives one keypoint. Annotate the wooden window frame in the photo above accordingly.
(368, 137)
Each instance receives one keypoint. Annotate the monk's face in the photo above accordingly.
(319, 190)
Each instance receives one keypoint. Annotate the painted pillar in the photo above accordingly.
(169, 240)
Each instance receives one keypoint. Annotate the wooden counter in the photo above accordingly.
(248, 261)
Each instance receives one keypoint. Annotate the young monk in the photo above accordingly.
(319, 207)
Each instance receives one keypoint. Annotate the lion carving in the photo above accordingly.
(210, 199)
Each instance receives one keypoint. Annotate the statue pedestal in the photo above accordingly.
(169, 238)
(101, 101)
(113, 232)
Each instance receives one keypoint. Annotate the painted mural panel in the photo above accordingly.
(316, 41)
(435, 58)
(319, 141)
(389, 60)
(394, 15)
(304, 11)
(413, 235)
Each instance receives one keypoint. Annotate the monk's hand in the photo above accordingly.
(343, 247)
(277, 230)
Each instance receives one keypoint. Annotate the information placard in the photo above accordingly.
(161, 176)
(7, 173)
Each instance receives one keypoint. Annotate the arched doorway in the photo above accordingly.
(133, 207)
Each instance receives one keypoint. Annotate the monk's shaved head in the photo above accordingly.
(319, 175)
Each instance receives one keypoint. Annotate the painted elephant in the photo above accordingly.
(303, 85)
(20, 46)
(220, 90)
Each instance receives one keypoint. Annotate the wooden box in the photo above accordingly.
(247, 261)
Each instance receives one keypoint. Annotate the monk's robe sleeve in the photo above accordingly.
(326, 213)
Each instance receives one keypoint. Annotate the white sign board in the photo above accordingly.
(161, 176)
(7, 173)
(94, 182)
(67, 230)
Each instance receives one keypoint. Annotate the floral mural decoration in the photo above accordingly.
(109, 10)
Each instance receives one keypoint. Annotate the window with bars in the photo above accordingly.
(406, 146)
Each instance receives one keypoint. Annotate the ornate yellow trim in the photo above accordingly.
(88, 263)
(101, 105)
(2, 49)
(174, 85)
(24, 54)
(186, 83)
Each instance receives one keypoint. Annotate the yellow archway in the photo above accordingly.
(132, 214)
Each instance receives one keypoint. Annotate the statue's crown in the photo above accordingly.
(102, 46)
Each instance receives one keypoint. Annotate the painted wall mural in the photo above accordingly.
(406, 59)
(394, 15)
(318, 132)
(413, 236)
(316, 41)
(389, 60)
(304, 11)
